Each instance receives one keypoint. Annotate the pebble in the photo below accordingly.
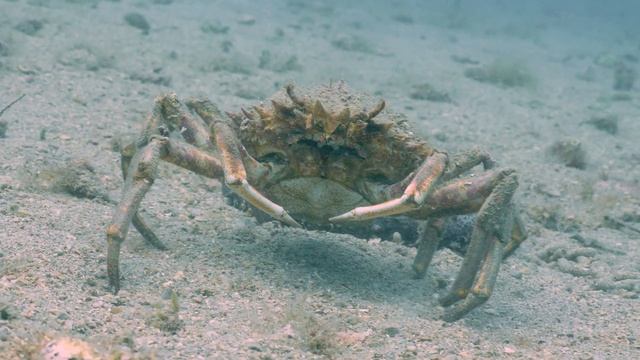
(68, 348)
(178, 276)
(29, 27)
(4, 50)
(138, 21)
(167, 294)
(392, 331)
(247, 20)
(4, 334)
(569, 152)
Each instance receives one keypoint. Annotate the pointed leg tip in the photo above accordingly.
(451, 315)
(448, 299)
(290, 221)
(342, 218)
(293, 223)
(336, 219)
(114, 287)
(419, 272)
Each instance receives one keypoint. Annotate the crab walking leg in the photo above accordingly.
(137, 220)
(235, 175)
(467, 160)
(169, 112)
(193, 129)
(493, 218)
(483, 285)
(144, 165)
(191, 158)
(431, 236)
(139, 178)
(208, 112)
(413, 197)
(467, 196)
(518, 234)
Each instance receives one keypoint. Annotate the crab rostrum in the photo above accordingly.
(329, 155)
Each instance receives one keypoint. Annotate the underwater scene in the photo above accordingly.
(291, 179)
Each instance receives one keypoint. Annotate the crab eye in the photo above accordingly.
(274, 158)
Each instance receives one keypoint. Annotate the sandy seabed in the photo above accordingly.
(232, 288)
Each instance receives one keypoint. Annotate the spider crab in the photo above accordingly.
(329, 155)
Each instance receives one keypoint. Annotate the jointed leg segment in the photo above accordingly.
(137, 183)
(497, 232)
(413, 197)
(140, 161)
(493, 229)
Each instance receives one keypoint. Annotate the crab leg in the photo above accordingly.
(518, 235)
(467, 196)
(483, 285)
(413, 197)
(169, 113)
(467, 160)
(476, 277)
(209, 113)
(137, 219)
(193, 129)
(138, 182)
(431, 236)
(140, 175)
(235, 175)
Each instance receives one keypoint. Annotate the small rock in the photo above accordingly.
(179, 275)
(29, 27)
(4, 49)
(138, 21)
(68, 348)
(570, 153)
(247, 19)
(353, 43)
(7, 312)
(606, 123)
(3, 129)
(403, 18)
(77, 178)
(391, 331)
(4, 334)
(491, 312)
(623, 77)
(214, 28)
(428, 92)
(167, 294)
(288, 331)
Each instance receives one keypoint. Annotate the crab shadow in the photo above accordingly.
(342, 264)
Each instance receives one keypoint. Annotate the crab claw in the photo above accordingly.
(413, 198)
(387, 208)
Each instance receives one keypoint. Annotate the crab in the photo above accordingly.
(324, 156)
